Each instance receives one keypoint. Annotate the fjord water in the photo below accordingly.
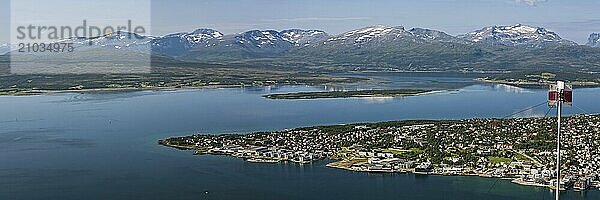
(104, 146)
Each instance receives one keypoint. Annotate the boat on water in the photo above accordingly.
(553, 188)
(581, 185)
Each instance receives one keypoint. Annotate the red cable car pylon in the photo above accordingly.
(559, 94)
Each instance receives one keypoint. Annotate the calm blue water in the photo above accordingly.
(103, 146)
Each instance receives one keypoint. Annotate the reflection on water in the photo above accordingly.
(379, 99)
(510, 88)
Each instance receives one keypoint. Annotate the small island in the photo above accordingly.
(349, 94)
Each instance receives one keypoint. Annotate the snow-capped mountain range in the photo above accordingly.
(254, 41)
(117, 40)
(594, 40)
(271, 42)
(516, 35)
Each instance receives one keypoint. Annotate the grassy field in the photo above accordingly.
(496, 160)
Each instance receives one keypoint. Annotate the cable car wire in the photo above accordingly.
(547, 112)
(524, 110)
(515, 113)
(581, 109)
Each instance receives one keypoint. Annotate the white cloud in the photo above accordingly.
(531, 2)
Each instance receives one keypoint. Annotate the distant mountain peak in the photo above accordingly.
(206, 31)
(522, 28)
(196, 35)
(119, 35)
(366, 34)
(295, 30)
(376, 30)
(300, 37)
(275, 39)
(429, 34)
(180, 43)
(515, 35)
(115, 40)
(594, 40)
(380, 33)
(202, 34)
(259, 38)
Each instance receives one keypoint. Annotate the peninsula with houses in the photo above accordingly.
(520, 149)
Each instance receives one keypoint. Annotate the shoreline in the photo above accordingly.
(33, 92)
(514, 180)
(527, 84)
(133, 89)
(375, 93)
(115, 90)
(335, 164)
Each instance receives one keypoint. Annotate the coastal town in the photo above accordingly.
(519, 149)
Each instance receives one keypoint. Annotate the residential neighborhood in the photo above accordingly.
(522, 149)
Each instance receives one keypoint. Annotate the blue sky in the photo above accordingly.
(572, 19)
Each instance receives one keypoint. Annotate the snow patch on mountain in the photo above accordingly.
(367, 34)
(300, 37)
(434, 35)
(206, 37)
(122, 39)
(180, 43)
(258, 38)
(203, 36)
(516, 35)
(387, 33)
(116, 40)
